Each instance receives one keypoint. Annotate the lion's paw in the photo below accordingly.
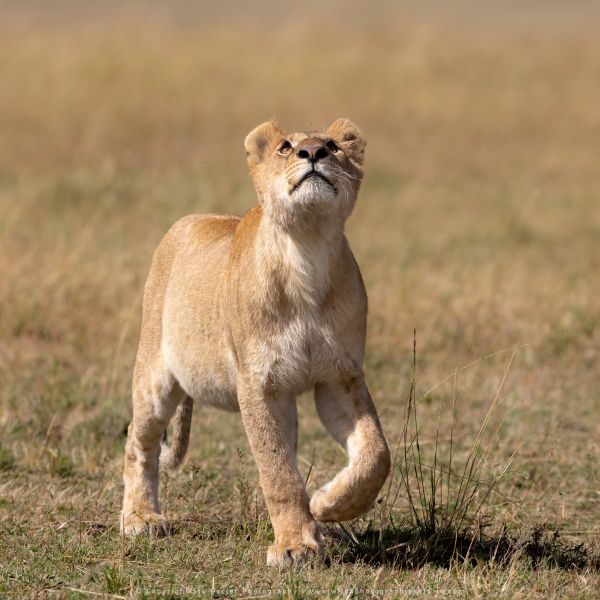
(148, 523)
(296, 551)
(327, 505)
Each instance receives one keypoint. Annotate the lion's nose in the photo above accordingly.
(313, 152)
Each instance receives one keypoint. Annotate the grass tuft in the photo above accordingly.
(448, 507)
(114, 580)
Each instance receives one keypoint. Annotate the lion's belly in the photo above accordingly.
(208, 377)
(207, 391)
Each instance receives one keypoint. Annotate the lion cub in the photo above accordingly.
(245, 314)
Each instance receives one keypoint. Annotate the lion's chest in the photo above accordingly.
(296, 355)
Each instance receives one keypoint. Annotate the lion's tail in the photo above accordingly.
(172, 456)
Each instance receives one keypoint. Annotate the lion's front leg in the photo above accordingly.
(349, 415)
(271, 425)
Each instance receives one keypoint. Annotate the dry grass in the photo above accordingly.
(478, 224)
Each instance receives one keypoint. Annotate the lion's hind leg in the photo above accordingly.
(156, 395)
(349, 415)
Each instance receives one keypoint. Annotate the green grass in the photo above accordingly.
(477, 224)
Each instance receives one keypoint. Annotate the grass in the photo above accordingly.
(477, 224)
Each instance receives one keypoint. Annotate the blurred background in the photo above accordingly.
(478, 222)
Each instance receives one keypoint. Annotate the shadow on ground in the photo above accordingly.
(412, 548)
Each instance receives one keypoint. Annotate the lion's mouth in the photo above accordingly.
(310, 175)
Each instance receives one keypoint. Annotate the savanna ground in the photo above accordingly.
(478, 224)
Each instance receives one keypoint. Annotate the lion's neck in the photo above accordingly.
(299, 263)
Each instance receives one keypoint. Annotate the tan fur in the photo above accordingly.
(245, 314)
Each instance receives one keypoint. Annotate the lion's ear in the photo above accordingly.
(260, 140)
(350, 138)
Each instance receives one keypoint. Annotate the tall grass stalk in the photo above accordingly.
(447, 499)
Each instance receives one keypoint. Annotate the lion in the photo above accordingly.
(246, 313)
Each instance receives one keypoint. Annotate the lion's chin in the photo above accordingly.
(313, 191)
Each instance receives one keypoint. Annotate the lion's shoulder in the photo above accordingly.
(204, 228)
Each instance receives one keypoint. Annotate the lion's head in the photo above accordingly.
(304, 176)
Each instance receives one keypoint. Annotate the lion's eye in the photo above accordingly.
(332, 146)
(285, 148)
